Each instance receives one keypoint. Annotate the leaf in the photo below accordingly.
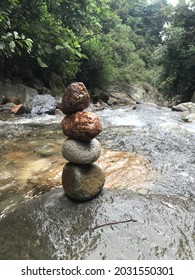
(41, 63)
(20, 44)
(12, 46)
(78, 54)
(84, 56)
(16, 35)
(76, 44)
(2, 45)
(58, 47)
(29, 42)
(48, 49)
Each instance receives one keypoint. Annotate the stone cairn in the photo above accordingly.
(81, 178)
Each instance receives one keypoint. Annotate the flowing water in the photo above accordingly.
(148, 156)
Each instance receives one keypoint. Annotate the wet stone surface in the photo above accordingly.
(148, 160)
(58, 228)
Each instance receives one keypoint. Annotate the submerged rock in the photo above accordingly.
(76, 98)
(81, 152)
(82, 182)
(81, 126)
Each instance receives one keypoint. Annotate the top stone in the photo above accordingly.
(76, 98)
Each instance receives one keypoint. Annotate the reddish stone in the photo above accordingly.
(18, 109)
(81, 126)
(76, 98)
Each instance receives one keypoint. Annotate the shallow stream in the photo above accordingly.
(148, 156)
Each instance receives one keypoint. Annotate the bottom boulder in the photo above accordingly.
(82, 182)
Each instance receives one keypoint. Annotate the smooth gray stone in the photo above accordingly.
(81, 152)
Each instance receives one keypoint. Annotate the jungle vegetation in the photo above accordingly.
(100, 42)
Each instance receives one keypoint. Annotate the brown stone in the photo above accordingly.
(76, 98)
(18, 109)
(12, 99)
(81, 126)
(82, 182)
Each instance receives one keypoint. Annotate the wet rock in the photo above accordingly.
(119, 98)
(19, 91)
(134, 92)
(43, 182)
(81, 152)
(43, 104)
(76, 98)
(188, 106)
(112, 101)
(189, 117)
(7, 106)
(81, 126)
(11, 99)
(82, 182)
(127, 170)
(19, 109)
(53, 227)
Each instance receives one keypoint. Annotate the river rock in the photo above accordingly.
(185, 107)
(76, 98)
(43, 104)
(81, 152)
(189, 117)
(81, 126)
(82, 182)
(19, 91)
(19, 109)
(12, 99)
(7, 106)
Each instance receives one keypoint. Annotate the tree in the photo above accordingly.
(177, 53)
(47, 33)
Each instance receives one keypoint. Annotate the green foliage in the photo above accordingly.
(48, 33)
(177, 53)
(98, 69)
(11, 42)
(101, 41)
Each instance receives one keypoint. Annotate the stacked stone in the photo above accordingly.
(81, 178)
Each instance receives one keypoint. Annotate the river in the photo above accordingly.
(148, 156)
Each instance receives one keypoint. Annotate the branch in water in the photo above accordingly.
(114, 223)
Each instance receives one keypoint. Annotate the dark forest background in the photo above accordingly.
(99, 42)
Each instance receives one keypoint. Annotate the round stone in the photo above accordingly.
(81, 152)
(81, 126)
(82, 182)
(76, 98)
